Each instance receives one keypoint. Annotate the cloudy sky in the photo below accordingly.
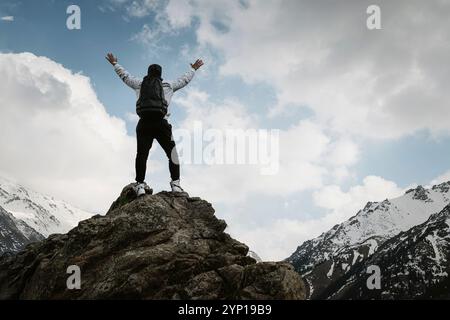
(363, 114)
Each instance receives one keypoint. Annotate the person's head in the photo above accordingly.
(155, 70)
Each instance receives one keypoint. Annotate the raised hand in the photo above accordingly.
(197, 64)
(110, 57)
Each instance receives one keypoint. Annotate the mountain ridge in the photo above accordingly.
(326, 259)
(31, 214)
(421, 269)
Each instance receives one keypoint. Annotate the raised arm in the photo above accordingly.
(187, 77)
(132, 82)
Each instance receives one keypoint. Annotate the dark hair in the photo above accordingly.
(155, 70)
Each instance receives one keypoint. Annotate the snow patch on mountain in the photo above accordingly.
(330, 272)
(15, 234)
(373, 246)
(42, 213)
(437, 254)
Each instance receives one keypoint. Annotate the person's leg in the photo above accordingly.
(144, 143)
(165, 139)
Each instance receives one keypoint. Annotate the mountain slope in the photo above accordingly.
(159, 246)
(325, 260)
(44, 214)
(414, 265)
(15, 234)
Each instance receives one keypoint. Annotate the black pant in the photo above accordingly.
(146, 131)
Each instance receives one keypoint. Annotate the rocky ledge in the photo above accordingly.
(155, 247)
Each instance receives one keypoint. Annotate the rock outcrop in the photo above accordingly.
(155, 247)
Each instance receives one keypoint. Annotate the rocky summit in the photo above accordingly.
(159, 246)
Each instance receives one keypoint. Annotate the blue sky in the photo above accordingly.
(372, 103)
(39, 27)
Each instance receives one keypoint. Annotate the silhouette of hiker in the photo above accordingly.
(154, 96)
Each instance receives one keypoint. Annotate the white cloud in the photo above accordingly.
(380, 84)
(151, 38)
(141, 8)
(179, 13)
(286, 234)
(57, 137)
(198, 106)
(344, 152)
(373, 188)
(445, 177)
(278, 240)
(132, 117)
(168, 17)
(307, 156)
(7, 18)
(172, 16)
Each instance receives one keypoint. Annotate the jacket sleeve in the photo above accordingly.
(183, 80)
(132, 82)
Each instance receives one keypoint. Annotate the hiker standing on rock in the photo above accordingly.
(154, 96)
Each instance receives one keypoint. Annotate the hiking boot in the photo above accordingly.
(176, 187)
(142, 188)
(147, 189)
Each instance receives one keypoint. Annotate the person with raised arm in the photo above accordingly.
(153, 99)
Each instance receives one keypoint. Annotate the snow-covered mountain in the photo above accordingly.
(327, 259)
(14, 233)
(413, 265)
(42, 213)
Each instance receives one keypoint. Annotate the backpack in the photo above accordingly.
(151, 102)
